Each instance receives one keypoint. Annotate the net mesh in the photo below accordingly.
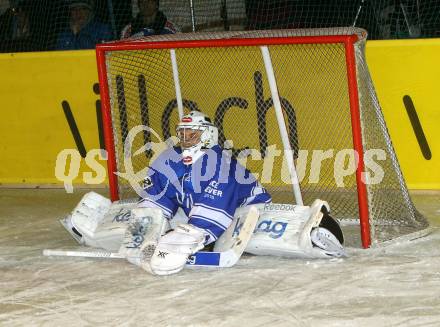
(36, 25)
(230, 85)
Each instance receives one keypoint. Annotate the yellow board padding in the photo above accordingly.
(35, 130)
(215, 79)
(410, 67)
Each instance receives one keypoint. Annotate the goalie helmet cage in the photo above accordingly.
(335, 126)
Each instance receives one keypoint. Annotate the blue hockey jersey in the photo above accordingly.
(209, 191)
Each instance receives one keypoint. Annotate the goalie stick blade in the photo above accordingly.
(82, 254)
(204, 259)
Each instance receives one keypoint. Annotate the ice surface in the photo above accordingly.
(394, 286)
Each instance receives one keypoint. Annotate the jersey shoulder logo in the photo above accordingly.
(148, 182)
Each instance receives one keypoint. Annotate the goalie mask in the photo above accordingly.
(196, 133)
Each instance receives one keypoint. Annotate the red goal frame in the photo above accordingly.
(347, 40)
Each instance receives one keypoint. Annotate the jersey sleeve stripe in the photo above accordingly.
(256, 199)
(202, 205)
(210, 220)
(218, 216)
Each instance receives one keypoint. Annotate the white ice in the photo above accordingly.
(393, 286)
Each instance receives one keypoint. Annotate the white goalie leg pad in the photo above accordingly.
(285, 230)
(107, 236)
(145, 227)
(173, 249)
(110, 231)
(86, 216)
(97, 222)
(90, 211)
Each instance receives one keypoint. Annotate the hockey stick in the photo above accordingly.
(222, 259)
(82, 254)
(231, 256)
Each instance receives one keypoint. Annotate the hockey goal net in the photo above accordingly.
(334, 124)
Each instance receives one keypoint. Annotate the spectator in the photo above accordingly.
(270, 14)
(396, 21)
(149, 21)
(83, 32)
(15, 28)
